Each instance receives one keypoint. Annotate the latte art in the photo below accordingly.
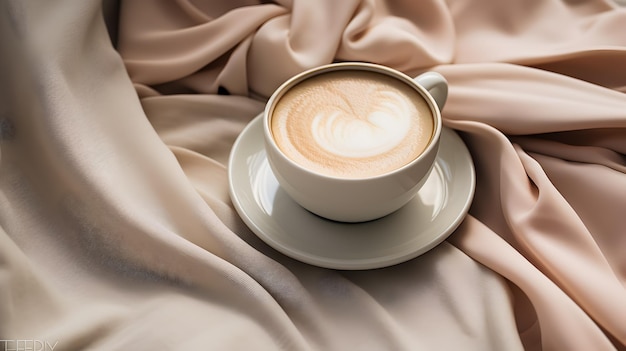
(341, 133)
(352, 124)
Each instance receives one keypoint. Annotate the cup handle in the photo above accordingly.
(436, 85)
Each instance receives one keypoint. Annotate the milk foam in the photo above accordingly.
(352, 124)
(385, 127)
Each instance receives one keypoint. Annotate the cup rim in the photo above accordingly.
(361, 66)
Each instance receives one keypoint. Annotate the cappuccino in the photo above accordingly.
(352, 123)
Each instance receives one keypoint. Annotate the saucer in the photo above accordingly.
(422, 224)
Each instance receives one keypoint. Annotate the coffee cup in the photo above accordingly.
(352, 141)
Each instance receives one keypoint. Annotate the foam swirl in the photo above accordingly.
(342, 132)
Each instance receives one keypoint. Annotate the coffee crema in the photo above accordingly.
(352, 124)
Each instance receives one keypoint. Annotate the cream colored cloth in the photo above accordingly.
(118, 233)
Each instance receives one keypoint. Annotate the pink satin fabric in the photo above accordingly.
(118, 232)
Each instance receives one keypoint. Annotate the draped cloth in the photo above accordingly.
(117, 231)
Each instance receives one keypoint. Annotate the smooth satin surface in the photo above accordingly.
(117, 231)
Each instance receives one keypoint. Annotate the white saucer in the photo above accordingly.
(423, 223)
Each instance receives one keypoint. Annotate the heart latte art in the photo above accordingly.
(352, 124)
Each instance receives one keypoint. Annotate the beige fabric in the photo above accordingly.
(117, 230)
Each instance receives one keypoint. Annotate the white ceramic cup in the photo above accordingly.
(360, 199)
